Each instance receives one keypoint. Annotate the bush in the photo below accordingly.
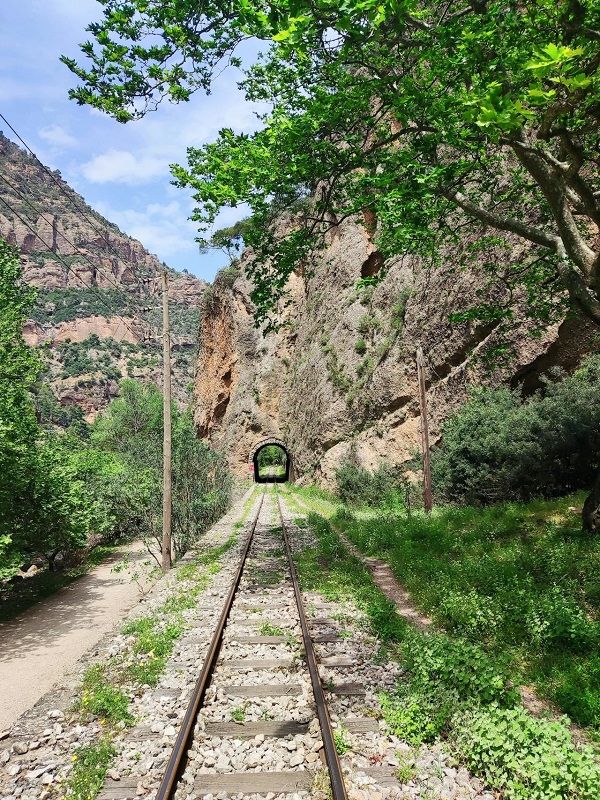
(526, 758)
(500, 446)
(443, 664)
(358, 486)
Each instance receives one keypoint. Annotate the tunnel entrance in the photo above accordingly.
(270, 462)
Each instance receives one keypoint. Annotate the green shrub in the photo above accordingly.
(574, 684)
(556, 620)
(526, 758)
(417, 716)
(469, 613)
(358, 486)
(442, 663)
(501, 446)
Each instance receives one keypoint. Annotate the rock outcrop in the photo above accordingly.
(95, 288)
(339, 377)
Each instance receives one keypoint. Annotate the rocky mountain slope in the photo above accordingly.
(339, 379)
(97, 314)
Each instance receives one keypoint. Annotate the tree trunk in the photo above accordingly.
(52, 560)
(591, 509)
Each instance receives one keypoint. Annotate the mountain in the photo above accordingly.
(338, 381)
(97, 290)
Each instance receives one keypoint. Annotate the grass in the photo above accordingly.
(103, 699)
(520, 579)
(155, 640)
(406, 772)
(267, 629)
(318, 500)
(454, 689)
(89, 770)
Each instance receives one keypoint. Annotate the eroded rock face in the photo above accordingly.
(92, 281)
(340, 375)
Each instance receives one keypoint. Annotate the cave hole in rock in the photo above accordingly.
(372, 266)
(271, 462)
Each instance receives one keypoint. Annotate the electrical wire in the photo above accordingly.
(67, 195)
(50, 222)
(60, 258)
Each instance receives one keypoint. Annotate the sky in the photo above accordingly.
(121, 170)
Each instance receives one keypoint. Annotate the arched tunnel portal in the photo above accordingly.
(270, 461)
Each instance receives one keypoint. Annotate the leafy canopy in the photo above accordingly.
(416, 111)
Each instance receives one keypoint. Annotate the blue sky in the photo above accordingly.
(121, 170)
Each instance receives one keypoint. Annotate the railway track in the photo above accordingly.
(280, 662)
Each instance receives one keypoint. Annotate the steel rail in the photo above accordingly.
(338, 787)
(186, 731)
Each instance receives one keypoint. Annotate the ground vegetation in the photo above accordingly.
(458, 687)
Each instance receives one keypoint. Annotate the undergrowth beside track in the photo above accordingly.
(520, 579)
(455, 689)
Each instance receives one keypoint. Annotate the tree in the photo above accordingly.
(419, 112)
(19, 367)
(230, 240)
(45, 505)
(132, 428)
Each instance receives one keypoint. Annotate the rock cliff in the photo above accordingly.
(340, 374)
(98, 290)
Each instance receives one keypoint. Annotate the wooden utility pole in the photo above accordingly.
(427, 489)
(167, 478)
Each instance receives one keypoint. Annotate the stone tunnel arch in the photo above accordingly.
(254, 467)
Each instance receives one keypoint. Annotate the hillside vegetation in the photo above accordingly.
(64, 493)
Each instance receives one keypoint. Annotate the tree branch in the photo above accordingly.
(508, 224)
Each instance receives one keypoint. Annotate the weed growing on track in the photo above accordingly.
(342, 744)
(100, 698)
(238, 714)
(455, 690)
(89, 770)
(267, 629)
(154, 643)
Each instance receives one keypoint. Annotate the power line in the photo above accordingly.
(100, 231)
(83, 255)
(49, 247)
(139, 310)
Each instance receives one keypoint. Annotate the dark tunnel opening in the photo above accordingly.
(271, 463)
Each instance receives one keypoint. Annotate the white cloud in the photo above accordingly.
(122, 166)
(163, 229)
(57, 136)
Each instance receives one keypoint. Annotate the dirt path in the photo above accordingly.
(40, 645)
